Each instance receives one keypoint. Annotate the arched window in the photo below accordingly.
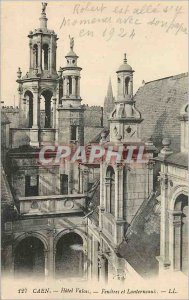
(35, 55)
(69, 260)
(45, 57)
(70, 84)
(29, 97)
(45, 109)
(110, 190)
(29, 258)
(127, 81)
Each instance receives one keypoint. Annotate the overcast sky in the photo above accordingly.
(153, 34)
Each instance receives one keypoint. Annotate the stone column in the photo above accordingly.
(50, 266)
(119, 204)
(164, 229)
(46, 263)
(95, 267)
(31, 55)
(39, 56)
(34, 59)
(86, 263)
(39, 116)
(78, 87)
(49, 59)
(21, 109)
(54, 113)
(9, 261)
(64, 86)
(51, 55)
(27, 112)
(24, 116)
(35, 110)
(107, 194)
(177, 226)
(34, 139)
(103, 275)
(73, 86)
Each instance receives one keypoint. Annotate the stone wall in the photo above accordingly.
(93, 122)
(12, 114)
(93, 116)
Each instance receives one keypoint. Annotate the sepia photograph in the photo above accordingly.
(94, 149)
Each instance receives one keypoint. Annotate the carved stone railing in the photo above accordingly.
(55, 204)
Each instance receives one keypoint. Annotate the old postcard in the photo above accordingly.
(94, 149)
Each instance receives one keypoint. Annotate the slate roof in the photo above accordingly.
(142, 243)
(178, 159)
(6, 195)
(159, 102)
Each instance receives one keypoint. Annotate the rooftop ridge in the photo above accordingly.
(172, 76)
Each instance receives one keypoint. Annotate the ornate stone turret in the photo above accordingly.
(38, 89)
(43, 48)
(125, 118)
(71, 78)
(71, 123)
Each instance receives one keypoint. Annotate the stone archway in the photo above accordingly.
(46, 109)
(69, 260)
(29, 258)
(180, 224)
(29, 111)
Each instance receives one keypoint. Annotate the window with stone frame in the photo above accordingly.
(31, 185)
(64, 184)
(73, 132)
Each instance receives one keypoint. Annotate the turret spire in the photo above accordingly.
(125, 58)
(43, 19)
(71, 42)
(110, 91)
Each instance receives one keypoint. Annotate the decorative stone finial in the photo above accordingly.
(71, 42)
(125, 58)
(43, 19)
(19, 73)
(60, 72)
(166, 150)
(44, 5)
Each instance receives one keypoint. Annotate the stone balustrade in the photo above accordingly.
(54, 204)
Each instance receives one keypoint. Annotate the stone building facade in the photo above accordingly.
(122, 191)
(49, 206)
(174, 203)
